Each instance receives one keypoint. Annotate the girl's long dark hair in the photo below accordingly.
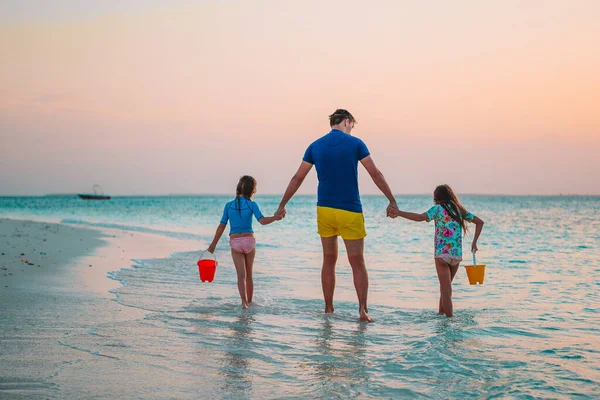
(445, 197)
(245, 187)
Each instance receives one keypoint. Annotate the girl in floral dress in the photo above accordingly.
(450, 218)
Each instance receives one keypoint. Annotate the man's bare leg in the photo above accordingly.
(330, 254)
(355, 249)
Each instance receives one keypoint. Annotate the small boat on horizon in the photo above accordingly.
(98, 194)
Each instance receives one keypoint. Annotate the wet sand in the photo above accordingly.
(53, 284)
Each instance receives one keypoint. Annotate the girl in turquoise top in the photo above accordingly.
(239, 212)
(450, 218)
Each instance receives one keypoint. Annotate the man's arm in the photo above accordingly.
(293, 186)
(380, 181)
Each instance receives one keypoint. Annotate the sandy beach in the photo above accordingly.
(54, 284)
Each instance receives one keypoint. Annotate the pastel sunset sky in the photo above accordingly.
(162, 97)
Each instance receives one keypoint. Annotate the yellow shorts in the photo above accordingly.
(335, 222)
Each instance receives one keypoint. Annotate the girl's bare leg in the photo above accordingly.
(239, 260)
(446, 274)
(249, 282)
(453, 271)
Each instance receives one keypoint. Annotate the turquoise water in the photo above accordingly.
(531, 331)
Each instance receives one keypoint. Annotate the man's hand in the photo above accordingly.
(211, 249)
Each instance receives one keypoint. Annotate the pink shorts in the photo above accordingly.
(243, 244)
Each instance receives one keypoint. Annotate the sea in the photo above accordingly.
(532, 330)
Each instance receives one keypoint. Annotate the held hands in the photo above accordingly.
(280, 213)
(392, 210)
(270, 220)
(394, 213)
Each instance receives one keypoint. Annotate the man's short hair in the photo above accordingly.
(340, 115)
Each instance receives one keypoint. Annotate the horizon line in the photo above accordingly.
(310, 195)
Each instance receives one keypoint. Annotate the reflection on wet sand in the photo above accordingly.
(341, 359)
(237, 357)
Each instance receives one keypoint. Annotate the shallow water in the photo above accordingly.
(531, 331)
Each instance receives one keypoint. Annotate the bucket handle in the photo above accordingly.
(201, 254)
(474, 260)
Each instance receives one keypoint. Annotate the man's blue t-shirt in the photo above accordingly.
(240, 215)
(336, 156)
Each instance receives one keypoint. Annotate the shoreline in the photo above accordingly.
(54, 245)
(55, 284)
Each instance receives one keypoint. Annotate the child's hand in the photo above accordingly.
(474, 247)
(211, 249)
(278, 217)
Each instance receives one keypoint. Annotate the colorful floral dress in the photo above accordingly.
(448, 233)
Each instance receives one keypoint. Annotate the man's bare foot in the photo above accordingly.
(328, 310)
(364, 316)
(244, 306)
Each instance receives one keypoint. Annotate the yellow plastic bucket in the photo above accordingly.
(475, 272)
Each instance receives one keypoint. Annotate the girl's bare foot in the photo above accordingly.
(328, 310)
(244, 306)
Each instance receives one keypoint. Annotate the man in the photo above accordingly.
(339, 210)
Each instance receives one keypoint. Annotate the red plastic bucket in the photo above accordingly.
(207, 266)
